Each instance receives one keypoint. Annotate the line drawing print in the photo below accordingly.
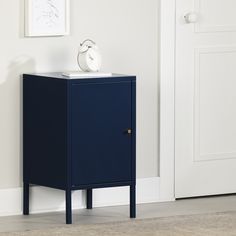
(47, 18)
(48, 13)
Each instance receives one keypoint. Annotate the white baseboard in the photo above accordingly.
(49, 200)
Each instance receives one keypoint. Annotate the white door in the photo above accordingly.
(205, 97)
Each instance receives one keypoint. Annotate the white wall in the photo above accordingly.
(127, 33)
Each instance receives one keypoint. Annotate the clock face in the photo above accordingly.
(93, 59)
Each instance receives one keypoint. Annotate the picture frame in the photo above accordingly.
(47, 18)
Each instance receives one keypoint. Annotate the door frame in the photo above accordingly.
(167, 99)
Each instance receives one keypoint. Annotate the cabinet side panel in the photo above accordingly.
(45, 131)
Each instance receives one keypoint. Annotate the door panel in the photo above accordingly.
(215, 110)
(211, 18)
(205, 128)
(101, 114)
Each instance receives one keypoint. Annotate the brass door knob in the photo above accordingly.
(128, 131)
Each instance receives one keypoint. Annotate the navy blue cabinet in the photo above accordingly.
(79, 134)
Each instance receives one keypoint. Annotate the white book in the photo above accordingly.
(80, 74)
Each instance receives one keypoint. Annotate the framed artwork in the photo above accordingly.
(47, 17)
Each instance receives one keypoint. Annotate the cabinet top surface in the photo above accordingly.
(58, 75)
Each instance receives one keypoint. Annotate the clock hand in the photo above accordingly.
(90, 57)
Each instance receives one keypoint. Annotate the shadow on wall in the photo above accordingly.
(11, 118)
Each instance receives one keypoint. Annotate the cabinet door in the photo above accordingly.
(101, 146)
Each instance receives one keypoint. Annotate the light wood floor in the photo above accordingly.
(120, 213)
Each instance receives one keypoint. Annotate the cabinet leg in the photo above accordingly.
(68, 207)
(89, 198)
(26, 199)
(132, 201)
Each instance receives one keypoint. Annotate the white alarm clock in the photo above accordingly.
(89, 57)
